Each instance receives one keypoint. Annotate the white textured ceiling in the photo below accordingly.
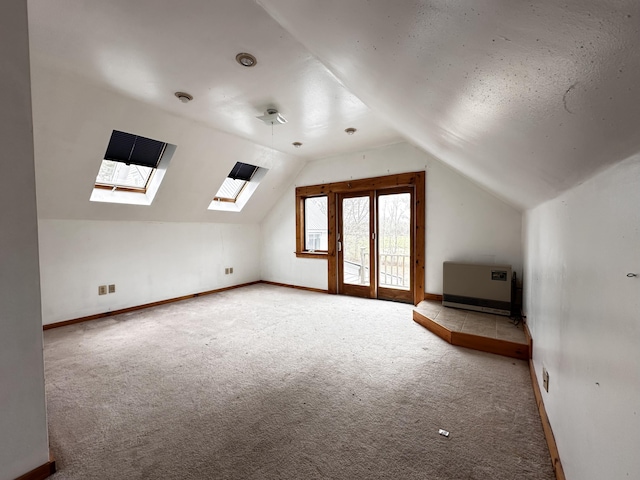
(525, 98)
(149, 49)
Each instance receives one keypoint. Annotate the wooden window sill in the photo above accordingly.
(312, 254)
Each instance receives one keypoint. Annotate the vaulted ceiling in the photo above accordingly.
(525, 98)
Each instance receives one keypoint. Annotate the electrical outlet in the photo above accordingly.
(102, 290)
(545, 379)
(226, 271)
(230, 269)
(112, 288)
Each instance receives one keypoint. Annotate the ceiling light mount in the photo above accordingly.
(297, 144)
(184, 97)
(246, 59)
(272, 117)
(350, 130)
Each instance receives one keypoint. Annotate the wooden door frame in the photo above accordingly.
(416, 180)
(389, 293)
(366, 291)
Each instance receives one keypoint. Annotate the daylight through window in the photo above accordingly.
(117, 174)
(129, 162)
(316, 232)
(240, 175)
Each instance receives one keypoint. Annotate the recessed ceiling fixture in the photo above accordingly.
(184, 97)
(246, 59)
(350, 130)
(272, 117)
(296, 144)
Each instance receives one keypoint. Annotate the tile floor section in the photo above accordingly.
(474, 323)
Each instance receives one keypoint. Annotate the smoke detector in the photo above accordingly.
(272, 117)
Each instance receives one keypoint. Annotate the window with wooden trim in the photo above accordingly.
(240, 175)
(310, 199)
(132, 169)
(238, 187)
(312, 225)
(129, 162)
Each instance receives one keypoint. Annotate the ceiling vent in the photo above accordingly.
(272, 117)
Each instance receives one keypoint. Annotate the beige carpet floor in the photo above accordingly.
(265, 382)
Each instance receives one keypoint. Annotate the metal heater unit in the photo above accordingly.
(484, 288)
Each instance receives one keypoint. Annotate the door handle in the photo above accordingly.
(339, 246)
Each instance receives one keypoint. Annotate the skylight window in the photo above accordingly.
(129, 161)
(240, 175)
(132, 169)
(238, 187)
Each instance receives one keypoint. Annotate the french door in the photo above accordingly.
(375, 243)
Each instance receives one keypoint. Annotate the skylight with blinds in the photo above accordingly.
(132, 169)
(129, 162)
(238, 187)
(233, 185)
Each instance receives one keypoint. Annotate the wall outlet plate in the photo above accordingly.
(230, 269)
(112, 288)
(545, 379)
(226, 271)
(102, 290)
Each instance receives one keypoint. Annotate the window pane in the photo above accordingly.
(394, 240)
(230, 189)
(316, 232)
(355, 241)
(122, 175)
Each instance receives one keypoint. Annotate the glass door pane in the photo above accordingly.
(394, 241)
(356, 251)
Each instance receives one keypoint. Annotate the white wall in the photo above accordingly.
(147, 261)
(23, 422)
(584, 316)
(173, 247)
(464, 222)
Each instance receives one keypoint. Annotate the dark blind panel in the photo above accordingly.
(146, 152)
(132, 149)
(242, 171)
(120, 146)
